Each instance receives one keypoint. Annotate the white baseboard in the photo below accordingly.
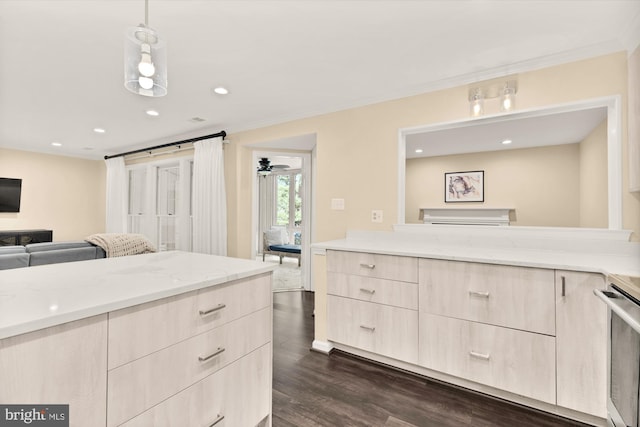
(322, 346)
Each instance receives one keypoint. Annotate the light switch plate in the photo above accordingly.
(376, 216)
(337, 204)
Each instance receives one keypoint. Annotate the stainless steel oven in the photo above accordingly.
(623, 300)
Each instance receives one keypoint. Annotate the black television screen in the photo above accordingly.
(10, 189)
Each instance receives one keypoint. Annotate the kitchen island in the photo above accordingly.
(506, 311)
(170, 338)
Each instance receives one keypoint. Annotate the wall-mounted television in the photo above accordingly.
(10, 190)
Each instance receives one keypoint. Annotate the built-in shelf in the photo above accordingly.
(466, 216)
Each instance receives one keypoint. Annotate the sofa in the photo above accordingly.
(48, 253)
(276, 242)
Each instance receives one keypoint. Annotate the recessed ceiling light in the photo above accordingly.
(221, 90)
(56, 144)
(99, 130)
(419, 150)
(153, 113)
(507, 141)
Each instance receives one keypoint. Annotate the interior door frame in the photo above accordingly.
(307, 225)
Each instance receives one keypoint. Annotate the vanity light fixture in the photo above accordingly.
(145, 60)
(477, 103)
(507, 98)
(493, 89)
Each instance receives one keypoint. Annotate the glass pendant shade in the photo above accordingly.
(507, 99)
(477, 105)
(145, 62)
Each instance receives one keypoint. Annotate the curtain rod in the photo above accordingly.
(184, 141)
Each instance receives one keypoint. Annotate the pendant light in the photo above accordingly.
(145, 60)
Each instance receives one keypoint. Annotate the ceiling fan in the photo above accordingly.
(265, 167)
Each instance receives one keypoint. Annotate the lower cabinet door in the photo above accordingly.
(582, 343)
(64, 364)
(508, 359)
(238, 395)
(381, 329)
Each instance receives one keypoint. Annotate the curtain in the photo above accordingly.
(116, 221)
(267, 205)
(209, 198)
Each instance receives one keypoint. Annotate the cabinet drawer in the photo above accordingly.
(404, 269)
(382, 291)
(515, 297)
(137, 331)
(380, 329)
(143, 383)
(238, 395)
(508, 359)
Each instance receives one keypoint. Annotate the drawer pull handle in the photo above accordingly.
(212, 310)
(479, 294)
(369, 291)
(479, 355)
(217, 420)
(368, 328)
(369, 266)
(564, 286)
(214, 354)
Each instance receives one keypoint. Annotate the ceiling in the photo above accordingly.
(569, 127)
(61, 61)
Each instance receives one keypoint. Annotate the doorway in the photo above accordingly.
(282, 200)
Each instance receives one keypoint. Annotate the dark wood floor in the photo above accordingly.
(313, 389)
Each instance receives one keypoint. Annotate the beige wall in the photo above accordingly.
(64, 194)
(540, 184)
(357, 150)
(634, 121)
(594, 179)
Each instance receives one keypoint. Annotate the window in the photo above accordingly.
(168, 190)
(160, 203)
(289, 200)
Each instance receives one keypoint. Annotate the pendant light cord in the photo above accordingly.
(146, 13)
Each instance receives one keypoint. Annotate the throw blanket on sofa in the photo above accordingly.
(121, 244)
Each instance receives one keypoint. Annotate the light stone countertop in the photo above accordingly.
(34, 298)
(574, 254)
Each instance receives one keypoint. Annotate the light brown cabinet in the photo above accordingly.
(199, 358)
(64, 364)
(581, 340)
(507, 359)
(186, 340)
(536, 333)
(372, 303)
(514, 297)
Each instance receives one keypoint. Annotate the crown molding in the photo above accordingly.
(541, 62)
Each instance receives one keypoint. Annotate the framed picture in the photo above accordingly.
(464, 186)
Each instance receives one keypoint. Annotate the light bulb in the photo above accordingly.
(507, 102)
(477, 103)
(146, 67)
(145, 82)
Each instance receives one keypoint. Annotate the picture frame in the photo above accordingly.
(467, 186)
